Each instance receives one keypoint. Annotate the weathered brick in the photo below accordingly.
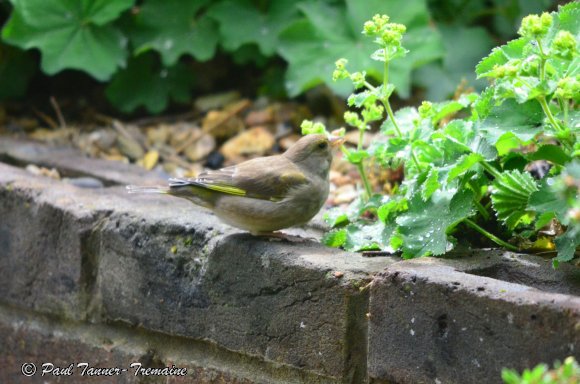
(44, 226)
(430, 323)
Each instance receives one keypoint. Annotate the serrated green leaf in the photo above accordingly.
(312, 46)
(362, 237)
(241, 22)
(510, 196)
(335, 238)
(335, 217)
(552, 153)
(70, 34)
(568, 243)
(545, 200)
(464, 165)
(441, 79)
(145, 83)
(510, 121)
(174, 28)
(501, 55)
(389, 209)
(431, 184)
(424, 227)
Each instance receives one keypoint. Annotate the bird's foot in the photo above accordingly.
(281, 236)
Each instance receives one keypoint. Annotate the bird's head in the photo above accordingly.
(313, 153)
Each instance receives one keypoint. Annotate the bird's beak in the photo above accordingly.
(336, 141)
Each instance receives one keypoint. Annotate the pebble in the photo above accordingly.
(84, 182)
(201, 148)
(255, 141)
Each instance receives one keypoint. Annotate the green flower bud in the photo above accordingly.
(534, 26)
(372, 112)
(358, 79)
(564, 45)
(568, 88)
(426, 109)
(340, 72)
(352, 118)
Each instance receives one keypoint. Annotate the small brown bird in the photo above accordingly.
(265, 194)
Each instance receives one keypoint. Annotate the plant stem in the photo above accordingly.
(548, 113)
(490, 169)
(490, 236)
(363, 176)
(542, 61)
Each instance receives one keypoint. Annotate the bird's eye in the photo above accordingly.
(322, 145)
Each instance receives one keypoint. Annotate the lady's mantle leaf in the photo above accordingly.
(174, 28)
(424, 226)
(240, 22)
(312, 45)
(145, 83)
(510, 196)
(510, 124)
(70, 34)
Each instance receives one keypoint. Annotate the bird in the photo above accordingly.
(265, 194)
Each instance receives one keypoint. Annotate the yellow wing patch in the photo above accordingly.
(226, 189)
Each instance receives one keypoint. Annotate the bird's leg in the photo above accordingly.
(279, 236)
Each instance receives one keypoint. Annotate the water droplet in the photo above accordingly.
(163, 74)
(264, 31)
(168, 44)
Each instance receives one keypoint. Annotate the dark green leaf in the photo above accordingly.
(510, 195)
(568, 243)
(174, 28)
(545, 200)
(16, 69)
(145, 83)
(424, 226)
(511, 124)
(552, 153)
(71, 34)
(240, 22)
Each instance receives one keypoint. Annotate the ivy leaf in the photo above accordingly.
(312, 45)
(174, 28)
(424, 226)
(510, 195)
(240, 22)
(71, 34)
(511, 124)
(145, 83)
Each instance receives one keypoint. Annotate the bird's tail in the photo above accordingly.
(146, 189)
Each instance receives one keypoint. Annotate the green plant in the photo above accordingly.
(567, 373)
(470, 171)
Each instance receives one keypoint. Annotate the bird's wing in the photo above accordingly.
(268, 178)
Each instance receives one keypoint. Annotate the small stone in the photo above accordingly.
(201, 148)
(345, 194)
(158, 135)
(338, 274)
(84, 182)
(41, 171)
(130, 147)
(261, 117)
(221, 124)
(255, 141)
(217, 100)
(150, 160)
